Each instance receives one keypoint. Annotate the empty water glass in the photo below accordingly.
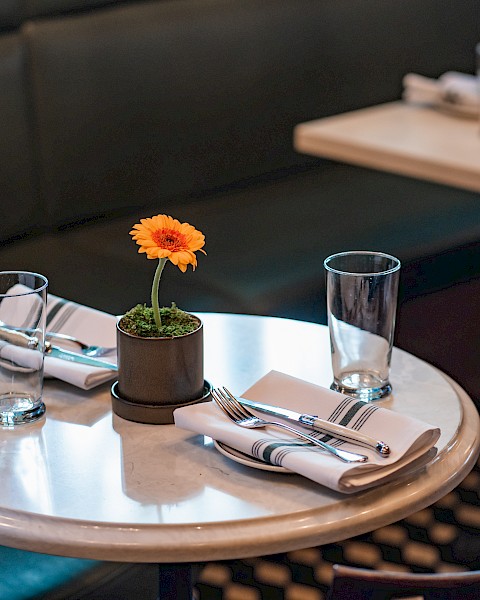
(362, 289)
(23, 301)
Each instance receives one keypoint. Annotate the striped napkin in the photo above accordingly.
(87, 324)
(411, 441)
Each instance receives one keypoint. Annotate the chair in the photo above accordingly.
(28, 575)
(350, 583)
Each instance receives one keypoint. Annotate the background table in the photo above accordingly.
(406, 139)
(86, 483)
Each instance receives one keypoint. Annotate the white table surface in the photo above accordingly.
(86, 483)
(406, 139)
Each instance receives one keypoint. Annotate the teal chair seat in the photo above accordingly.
(31, 576)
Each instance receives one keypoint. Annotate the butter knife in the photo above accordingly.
(51, 350)
(23, 340)
(339, 431)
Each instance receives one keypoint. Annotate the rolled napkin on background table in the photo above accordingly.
(457, 93)
(87, 324)
(411, 441)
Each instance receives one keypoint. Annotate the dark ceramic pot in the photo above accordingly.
(158, 375)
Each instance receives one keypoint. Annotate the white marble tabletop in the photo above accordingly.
(83, 482)
(407, 139)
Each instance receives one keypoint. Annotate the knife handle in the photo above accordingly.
(344, 433)
(17, 338)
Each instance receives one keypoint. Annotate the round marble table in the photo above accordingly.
(85, 483)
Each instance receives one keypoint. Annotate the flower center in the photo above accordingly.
(169, 239)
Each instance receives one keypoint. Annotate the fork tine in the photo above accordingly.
(222, 403)
(214, 396)
(243, 410)
(232, 406)
(219, 402)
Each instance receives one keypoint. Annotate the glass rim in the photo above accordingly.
(35, 290)
(396, 263)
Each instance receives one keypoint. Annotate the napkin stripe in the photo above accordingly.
(61, 316)
(350, 414)
(302, 446)
(34, 314)
(65, 315)
(339, 409)
(329, 438)
(363, 418)
(346, 420)
(264, 449)
(52, 312)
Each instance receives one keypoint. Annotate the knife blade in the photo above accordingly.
(314, 422)
(51, 350)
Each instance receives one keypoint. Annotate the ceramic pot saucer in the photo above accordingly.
(155, 414)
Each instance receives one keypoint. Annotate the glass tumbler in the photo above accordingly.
(23, 302)
(362, 290)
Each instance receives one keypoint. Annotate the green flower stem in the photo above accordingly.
(156, 281)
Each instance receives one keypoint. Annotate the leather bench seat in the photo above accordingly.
(266, 244)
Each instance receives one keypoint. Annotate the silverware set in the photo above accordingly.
(20, 337)
(86, 349)
(242, 417)
(347, 434)
(58, 352)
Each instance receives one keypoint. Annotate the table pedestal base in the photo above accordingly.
(175, 581)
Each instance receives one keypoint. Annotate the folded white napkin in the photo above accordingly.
(457, 93)
(16, 358)
(87, 324)
(411, 441)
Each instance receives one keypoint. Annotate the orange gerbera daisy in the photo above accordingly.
(164, 237)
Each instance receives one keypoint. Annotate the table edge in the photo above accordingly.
(228, 540)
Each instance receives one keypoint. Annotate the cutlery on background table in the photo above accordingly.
(18, 338)
(87, 349)
(241, 416)
(313, 422)
(57, 352)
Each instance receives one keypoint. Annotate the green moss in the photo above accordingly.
(140, 321)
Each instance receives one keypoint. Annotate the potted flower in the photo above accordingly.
(160, 349)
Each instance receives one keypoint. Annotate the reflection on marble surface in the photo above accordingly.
(84, 482)
(71, 405)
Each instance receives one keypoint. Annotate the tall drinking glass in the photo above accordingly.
(23, 302)
(362, 289)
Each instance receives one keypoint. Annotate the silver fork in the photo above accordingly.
(86, 349)
(244, 418)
